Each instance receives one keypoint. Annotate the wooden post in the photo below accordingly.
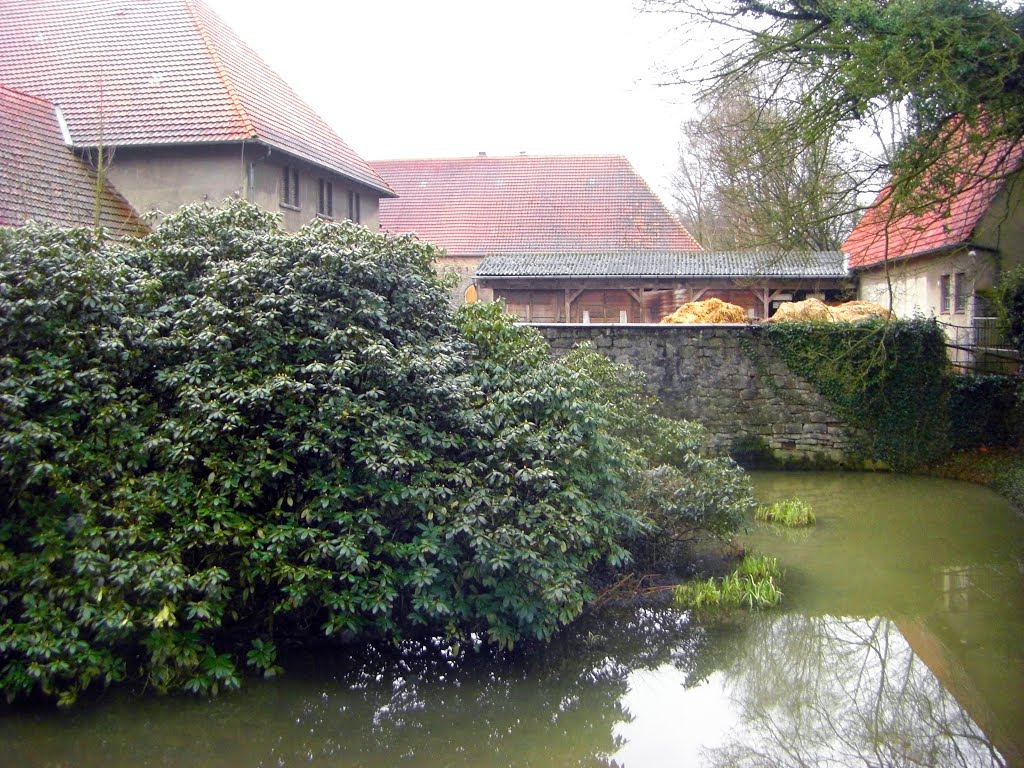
(638, 297)
(570, 297)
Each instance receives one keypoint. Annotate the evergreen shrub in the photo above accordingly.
(221, 438)
(985, 410)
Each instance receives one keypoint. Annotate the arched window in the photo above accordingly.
(470, 295)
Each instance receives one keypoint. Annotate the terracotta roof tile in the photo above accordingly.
(792, 264)
(479, 205)
(941, 224)
(138, 72)
(42, 179)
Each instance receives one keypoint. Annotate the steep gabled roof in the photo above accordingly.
(474, 206)
(143, 72)
(42, 179)
(945, 221)
(727, 264)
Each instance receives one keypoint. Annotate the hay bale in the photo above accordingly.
(806, 311)
(817, 311)
(852, 311)
(707, 311)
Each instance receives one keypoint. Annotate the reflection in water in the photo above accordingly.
(418, 706)
(816, 691)
(956, 588)
(638, 688)
(925, 671)
(939, 557)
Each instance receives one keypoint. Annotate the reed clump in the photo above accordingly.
(752, 585)
(792, 513)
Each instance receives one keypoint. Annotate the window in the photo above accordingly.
(325, 199)
(353, 206)
(960, 292)
(290, 187)
(945, 294)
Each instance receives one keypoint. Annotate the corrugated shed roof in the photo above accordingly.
(938, 224)
(142, 72)
(478, 205)
(42, 179)
(793, 264)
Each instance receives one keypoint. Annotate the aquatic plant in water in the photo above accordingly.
(752, 584)
(792, 513)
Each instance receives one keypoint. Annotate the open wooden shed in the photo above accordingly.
(644, 286)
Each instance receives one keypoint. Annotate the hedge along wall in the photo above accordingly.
(731, 380)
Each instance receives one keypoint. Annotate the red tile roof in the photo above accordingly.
(936, 224)
(42, 179)
(478, 205)
(140, 72)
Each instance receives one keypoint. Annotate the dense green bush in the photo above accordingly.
(985, 411)
(886, 377)
(679, 491)
(1009, 295)
(222, 437)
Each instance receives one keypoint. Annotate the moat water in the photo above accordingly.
(900, 642)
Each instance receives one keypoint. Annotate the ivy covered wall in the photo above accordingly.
(791, 394)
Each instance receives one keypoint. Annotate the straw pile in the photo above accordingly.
(807, 311)
(707, 311)
(817, 311)
(852, 311)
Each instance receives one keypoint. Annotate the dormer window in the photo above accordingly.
(290, 187)
(325, 199)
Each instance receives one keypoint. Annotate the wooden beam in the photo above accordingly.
(638, 297)
(570, 297)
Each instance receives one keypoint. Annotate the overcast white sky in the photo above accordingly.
(451, 78)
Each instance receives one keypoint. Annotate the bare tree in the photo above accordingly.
(951, 70)
(747, 180)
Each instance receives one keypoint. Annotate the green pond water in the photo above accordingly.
(900, 643)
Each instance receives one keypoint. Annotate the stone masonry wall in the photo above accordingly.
(727, 378)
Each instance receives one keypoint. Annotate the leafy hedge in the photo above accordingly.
(1009, 294)
(887, 378)
(225, 432)
(680, 492)
(985, 411)
(222, 437)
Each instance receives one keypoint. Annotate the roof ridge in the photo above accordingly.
(222, 75)
(25, 95)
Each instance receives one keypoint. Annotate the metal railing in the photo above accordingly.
(981, 347)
